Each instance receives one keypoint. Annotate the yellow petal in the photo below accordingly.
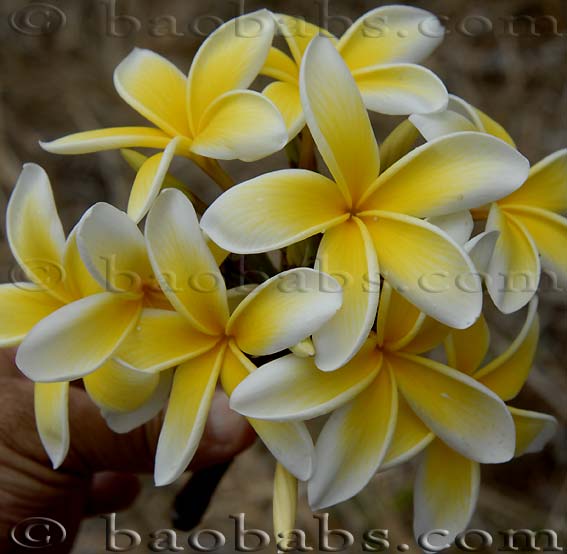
(161, 340)
(274, 210)
(514, 268)
(546, 187)
(435, 125)
(410, 437)
(347, 253)
(445, 494)
(466, 348)
(494, 128)
(289, 442)
(533, 430)
(108, 139)
(80, 282)
(113, 249)
(506, 374)
(338, 119)
(549, 233)
(149, 180)
(23, 305)
(116, 388)
(430, 334)
(281, 67)
(390, 34)
(284, 310)
(51, 404)
(449, 174)
(124, 422)
(353, 443)
(240, 125)
(285, 97)
(298, 33)
(284, 503)
(397, 319)
(466, 415)
(184, 265)
(78, 338)
(397, 144)
(35, 233)
(189, 403)
(229, 59)
(293, 388)
(401, 89)
(155, 88)
(427, 267)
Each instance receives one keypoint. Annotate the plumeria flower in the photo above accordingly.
(387, 385)
(529, 220)
(371, 222)
(381, 49)
(207, 114)
(447, 483)
(205, 341)
(59, 279)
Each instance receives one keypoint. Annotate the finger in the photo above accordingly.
(111, 492)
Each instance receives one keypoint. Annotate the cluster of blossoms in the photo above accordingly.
(149, 320)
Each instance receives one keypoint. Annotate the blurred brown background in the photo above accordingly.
(56, 78)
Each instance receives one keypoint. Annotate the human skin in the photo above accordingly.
(99, 474)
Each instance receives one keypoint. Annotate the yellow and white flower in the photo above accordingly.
(59, 279)
(206, 342)
(381, 50)
(529, 220)
(371, 222)
(207, 114)
(447, 483)
(387, 385)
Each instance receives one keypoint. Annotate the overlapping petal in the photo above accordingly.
(26, 305)
(449, 174)
(184, 265)
(546, 187)
(294, 388)
(281, 67)
(445, 494)
(78, 338)
(410, 437)
(192, 392)
(397, 144)
(427, 267)
(240, 124)
(149, 181)
(274, 210)
(229, 59)
(155, 88)
(353, 443)
(533, 430)
(161, 340)
(435, 125)
(466, 348)
(113, 249)
(285, 97)
(467, 416)
(401, 89)
(116, 388)
(35, 233)
(390, 34)
(514, 268)
(108, 139)
(507, 373)
(347, 253)
(284, 310)
(337, 119)
(51, 405)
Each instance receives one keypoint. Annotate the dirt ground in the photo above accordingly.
(61, 82)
